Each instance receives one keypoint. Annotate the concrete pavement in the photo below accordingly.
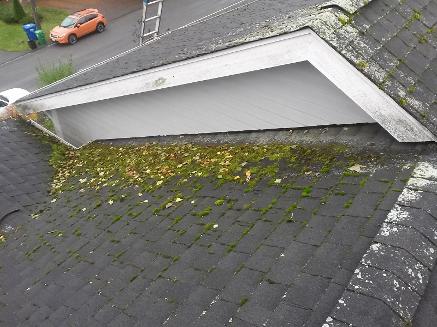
(119, 36)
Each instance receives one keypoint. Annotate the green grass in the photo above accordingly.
(12, 36)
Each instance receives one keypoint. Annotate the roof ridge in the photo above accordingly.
(399, 281)
(351, 6)
(338, 30)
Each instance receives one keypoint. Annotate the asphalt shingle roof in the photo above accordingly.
(81, 260)
(389, 283)
(25, 176)
(394, 43)
(427, 312)
(226, 256)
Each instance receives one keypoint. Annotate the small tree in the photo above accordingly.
(18, 10)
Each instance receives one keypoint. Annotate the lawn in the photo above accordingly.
(12, 36)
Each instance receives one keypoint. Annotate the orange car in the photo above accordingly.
(77, 25)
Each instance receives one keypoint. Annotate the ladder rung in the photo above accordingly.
(153, 2)
(150, 33)
(152, 18)
(156, 18)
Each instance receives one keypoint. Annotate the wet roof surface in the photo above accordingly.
(110, 258)
(25, 176)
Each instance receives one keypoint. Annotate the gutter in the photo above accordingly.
(49, 133)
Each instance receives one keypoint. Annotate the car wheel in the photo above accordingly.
(100, 27)
(72, 39)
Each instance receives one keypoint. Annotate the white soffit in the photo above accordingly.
(303, 45)
(266, 99)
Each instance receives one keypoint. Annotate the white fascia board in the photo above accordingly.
(241, 59)
(375, 102)
(303, 45)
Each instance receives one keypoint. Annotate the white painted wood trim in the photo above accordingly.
(380, 106)
(266, 99)
(303, 45)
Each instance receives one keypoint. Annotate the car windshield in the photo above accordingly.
(68, 21)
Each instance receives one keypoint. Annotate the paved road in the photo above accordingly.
(119, 37)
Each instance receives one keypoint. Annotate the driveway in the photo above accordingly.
(119, 36)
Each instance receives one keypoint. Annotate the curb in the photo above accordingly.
(388, 284)
(48, 45)
(12, 55)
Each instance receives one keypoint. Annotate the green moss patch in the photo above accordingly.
(152, 166)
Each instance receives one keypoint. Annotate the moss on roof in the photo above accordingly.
(151, 166)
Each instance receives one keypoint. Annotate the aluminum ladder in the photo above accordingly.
(153, 34)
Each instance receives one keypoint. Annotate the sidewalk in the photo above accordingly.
(6, 56)
(111, 8)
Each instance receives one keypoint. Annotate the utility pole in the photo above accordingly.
(35, 14)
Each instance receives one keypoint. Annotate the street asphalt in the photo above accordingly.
(19, 69)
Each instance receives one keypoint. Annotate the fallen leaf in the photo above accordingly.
(357, 168)
(248, 174)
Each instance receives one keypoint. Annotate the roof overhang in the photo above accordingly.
(299, 46)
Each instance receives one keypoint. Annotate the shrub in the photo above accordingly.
(7, 15)
(48, 74)
(18, 10)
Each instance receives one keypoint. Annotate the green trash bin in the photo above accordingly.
(41, 37)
